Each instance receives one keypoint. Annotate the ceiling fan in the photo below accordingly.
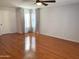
(38, 2)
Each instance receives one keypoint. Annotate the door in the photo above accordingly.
(4, 22)
(7, 21)
(1, 23)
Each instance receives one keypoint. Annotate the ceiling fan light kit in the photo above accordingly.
(39, 3)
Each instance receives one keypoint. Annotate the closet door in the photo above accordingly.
(8, 22)
(6, 27)
(1, 22)
(4, 22)
(0, 26)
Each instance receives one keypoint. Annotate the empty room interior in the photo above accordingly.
(39, 29)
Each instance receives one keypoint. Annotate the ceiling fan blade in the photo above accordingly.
(44, 3)
(37, 0)
(49, 1)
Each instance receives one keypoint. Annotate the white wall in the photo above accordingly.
(8, 18)
(38, 20)
(61, 22)
(20, 20)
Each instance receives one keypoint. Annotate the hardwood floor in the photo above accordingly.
(36, 46)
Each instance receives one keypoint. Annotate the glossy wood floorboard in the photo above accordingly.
(36, 46)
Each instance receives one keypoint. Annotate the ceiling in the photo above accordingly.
(30, 3)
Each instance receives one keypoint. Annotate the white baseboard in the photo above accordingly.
(64, 38)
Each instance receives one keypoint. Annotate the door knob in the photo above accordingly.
(1, 24)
